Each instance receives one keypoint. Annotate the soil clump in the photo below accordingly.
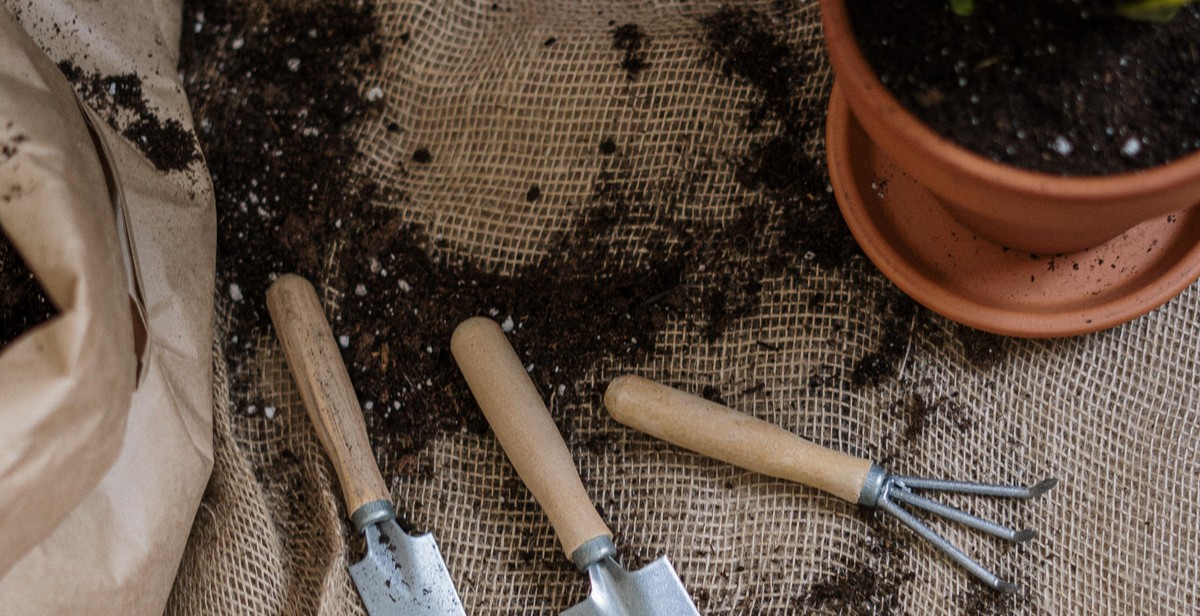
(119, 99)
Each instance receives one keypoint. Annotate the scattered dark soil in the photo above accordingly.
(869, 586)
(1061, 87)
(794, 208)
(751, 46)
(277, 143)
(281, 208)
(982, 349)
(277, 97)
(860, 590)
(23, 304)
(901, 317)
(983, 601)
(120, 101)
(630, 39)
(919, 412)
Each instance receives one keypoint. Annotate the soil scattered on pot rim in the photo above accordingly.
(120, 101)
(23, 304)
(1061, 87)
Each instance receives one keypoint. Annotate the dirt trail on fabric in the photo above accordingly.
(276, 117)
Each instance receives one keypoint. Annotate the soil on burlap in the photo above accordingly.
(276, 118)
(278, 100)
(1056, 86)
(277, 115)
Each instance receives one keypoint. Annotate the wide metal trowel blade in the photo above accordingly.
(403, 575)
(653, 590)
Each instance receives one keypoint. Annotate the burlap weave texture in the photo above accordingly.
(1112, 415)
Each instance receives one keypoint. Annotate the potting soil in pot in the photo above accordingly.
(623, 188)
(1064, 87)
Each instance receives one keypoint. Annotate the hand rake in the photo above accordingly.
(722, 433)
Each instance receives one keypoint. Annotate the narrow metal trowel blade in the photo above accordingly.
(403, 575)
(653, 590)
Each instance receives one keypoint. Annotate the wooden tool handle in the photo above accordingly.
(325, 386)
(722, 433)
(525, 430)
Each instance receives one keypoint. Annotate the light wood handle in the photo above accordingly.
(525, 430)
(719, 432)
(324, 384)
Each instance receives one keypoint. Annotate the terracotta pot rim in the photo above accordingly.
(867, 90)
(995, 313)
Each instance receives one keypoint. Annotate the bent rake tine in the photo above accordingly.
(962, 517)
(977, 489)
(942, 544)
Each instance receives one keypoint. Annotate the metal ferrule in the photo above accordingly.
(373, 512)
(593, 551)
(873, 486)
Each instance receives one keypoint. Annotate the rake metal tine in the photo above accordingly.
(978, 489)
(962, 517)
(942, 544)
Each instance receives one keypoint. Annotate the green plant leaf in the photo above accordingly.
(1157, 11)
(966, 7)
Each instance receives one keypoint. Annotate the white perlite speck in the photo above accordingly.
(235, 292)
(360, 290)
(293, 64)
(1062, 145)
(404, 286)
(237, 43)
(375, 94)
(1131, 147)
(344, 340)
(270, 412)
(507, 325)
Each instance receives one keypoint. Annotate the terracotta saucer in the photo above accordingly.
(950, 270)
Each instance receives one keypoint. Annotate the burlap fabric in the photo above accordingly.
(1112, 414)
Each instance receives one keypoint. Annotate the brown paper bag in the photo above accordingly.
(105, 410)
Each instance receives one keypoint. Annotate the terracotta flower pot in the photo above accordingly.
(1014, 207)
(992, 246)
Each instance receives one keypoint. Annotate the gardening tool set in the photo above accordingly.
(402, 574)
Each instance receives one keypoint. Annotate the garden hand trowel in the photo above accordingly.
(401, 575)
(536, 449)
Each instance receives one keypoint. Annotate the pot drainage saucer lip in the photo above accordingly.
(979, 283)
